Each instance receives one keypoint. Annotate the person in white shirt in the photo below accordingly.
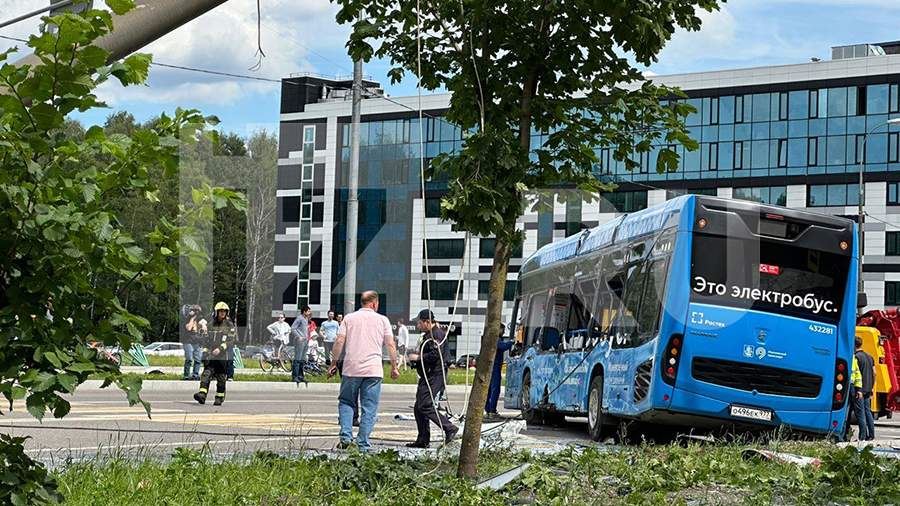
(402, 342)
(281, 332)
(329, 329)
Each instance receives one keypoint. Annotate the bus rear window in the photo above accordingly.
(768, 276)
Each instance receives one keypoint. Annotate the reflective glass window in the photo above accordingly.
(739, 109)
(726, 109)
(877, 148)
(877, 99)
(892, 243)
(892, 194)
(797, 149)
(759, 155)
(893, 145)
(782, 152)
(894, 98)
(837, 150)
(782, 106)
(812, 151)
(813, 103)
(761, 107)
(817, 195)
(739, 155)
(837, 102)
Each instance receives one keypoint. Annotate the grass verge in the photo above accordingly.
(636, 475)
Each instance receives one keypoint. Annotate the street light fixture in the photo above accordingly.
(862, 196)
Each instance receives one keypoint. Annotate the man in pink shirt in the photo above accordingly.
(362, 336)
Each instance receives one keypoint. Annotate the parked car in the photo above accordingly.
(252, 351)
(471, 359)
(164, 349)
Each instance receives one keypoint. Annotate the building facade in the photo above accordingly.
(793, 135)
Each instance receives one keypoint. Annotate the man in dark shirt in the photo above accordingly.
(432, 368)
(867, 369)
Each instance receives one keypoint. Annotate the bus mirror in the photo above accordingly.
(861, 300)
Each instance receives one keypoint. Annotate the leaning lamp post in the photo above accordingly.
(862, 196)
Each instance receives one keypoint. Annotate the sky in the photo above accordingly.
(303, 36)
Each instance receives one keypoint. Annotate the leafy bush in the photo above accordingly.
(22, 480)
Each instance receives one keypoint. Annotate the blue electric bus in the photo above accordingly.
(699, 312)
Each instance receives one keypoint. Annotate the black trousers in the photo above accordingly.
(217, 368)
(424, 409)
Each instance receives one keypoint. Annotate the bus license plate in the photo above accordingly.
(751, 413)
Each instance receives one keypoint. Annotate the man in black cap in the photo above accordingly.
(432, 368)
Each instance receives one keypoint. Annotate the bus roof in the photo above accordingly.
(619, 229)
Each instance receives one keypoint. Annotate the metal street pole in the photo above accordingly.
(352, 197)
(150, 20)
(56, 5)
(862, 201)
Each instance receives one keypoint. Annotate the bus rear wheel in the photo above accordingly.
(529, 414)
(595, 408)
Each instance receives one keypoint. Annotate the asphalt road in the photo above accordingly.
(256, 416)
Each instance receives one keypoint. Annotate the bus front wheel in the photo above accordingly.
(595, 408)
(529, 414)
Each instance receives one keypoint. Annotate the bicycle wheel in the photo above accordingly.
(283, 364)
(265, 364)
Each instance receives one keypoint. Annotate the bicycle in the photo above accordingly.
(272, 359)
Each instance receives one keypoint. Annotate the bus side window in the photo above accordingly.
(535, 318)
(552, 339)
(651, 306)
(626, 323)
(580, 319)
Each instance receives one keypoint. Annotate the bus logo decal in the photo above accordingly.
(760, 352)
(748, 350)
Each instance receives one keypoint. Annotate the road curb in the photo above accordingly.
(257, 386)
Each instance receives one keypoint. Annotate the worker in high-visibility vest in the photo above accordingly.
(220, 337)
(855, 397)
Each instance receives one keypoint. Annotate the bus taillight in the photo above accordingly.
(672, 358)
(840, 385)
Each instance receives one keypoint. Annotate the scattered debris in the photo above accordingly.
(685, 439)
(502, 479)
(784, 458)
(404, 418)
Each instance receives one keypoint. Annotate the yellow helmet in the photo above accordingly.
(221, 305)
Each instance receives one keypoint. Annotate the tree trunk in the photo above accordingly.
(468, 455)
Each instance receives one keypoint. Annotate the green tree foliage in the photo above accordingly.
(65, 260)
(554, 66)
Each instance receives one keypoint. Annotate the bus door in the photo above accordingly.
(545, 375)
(521, 358)
(573, 369)
(617, 352)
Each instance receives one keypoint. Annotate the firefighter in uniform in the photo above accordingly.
(432, 368)
(219, 340)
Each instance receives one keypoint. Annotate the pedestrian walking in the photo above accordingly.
(192, 343)
(300, 336)
(431, 364)
(329, 330)
(867, 371)
(490, 407)
(402, 343)
(360, 341)
(280, 334)
(219, 339)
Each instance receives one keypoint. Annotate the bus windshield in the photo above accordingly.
(768, 276)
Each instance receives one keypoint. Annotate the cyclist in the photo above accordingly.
(220, 338)
(281, 333)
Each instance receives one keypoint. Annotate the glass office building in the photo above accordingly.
(792, 135)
